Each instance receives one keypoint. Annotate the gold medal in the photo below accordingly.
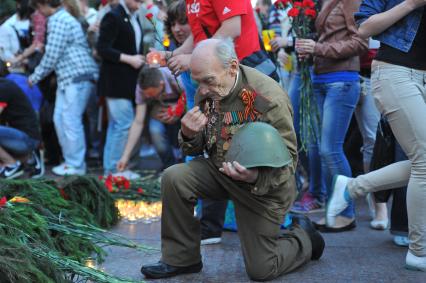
(226, 146)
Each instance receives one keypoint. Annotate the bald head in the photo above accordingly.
(214, 65)
(214, 51)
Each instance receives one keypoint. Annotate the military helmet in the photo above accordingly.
(258, 144)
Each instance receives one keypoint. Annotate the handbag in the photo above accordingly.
(384, 147)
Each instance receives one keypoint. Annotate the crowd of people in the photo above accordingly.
(78, 82)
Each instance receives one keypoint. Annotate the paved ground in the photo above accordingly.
(362, 255)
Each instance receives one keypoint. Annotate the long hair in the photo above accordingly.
(73, 7)
(176, 13)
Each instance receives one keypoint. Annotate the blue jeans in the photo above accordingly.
(336, 104)
(367, 116)
(120, 118)
(317, 186)
(70, 105)
(163, 137)
(16, 142)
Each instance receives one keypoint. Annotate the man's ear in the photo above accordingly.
(234, 66)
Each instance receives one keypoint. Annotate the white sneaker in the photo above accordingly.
(128, 174)
(211, 241)
(413, 262)
(337, 202)
(64, 169)
(401, 241)
(379, 224)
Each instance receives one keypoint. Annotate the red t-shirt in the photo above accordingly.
(211, 13)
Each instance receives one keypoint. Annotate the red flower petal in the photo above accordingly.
(311, 13)
(149, 16)
(140, 191)
(126, 184)
(308, 4)
(293, 12)
(3, 201)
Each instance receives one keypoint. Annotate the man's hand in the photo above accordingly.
(179, 63)
(239, 173)
(278, 42)
(136, 61)
(193, 122)
(283, 57)
(122, 164)
(165, 118)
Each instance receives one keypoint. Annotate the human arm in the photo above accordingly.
(134, 135)
(107, 36)
(374, 20)
(229, 28)
(280, 115)
(352, 45)
(57, 41)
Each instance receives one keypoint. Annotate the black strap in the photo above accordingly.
(206, 31)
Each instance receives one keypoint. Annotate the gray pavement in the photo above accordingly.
(361, 255)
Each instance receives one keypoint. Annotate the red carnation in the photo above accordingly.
(293, 12)
(126, 184)
(308, 4)
(140, 191)
(311, 13)
(63, 194)
(281, 3)
(149, 16)
(3, 201)
(297, 4)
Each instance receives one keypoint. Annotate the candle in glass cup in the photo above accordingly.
(154, 59)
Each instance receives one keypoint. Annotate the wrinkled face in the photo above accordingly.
(214, 81)
(180, 31)
(133, 5)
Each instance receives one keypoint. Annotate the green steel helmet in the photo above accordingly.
(258, 144)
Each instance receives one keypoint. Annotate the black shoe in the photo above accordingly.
(37, 170)
(12, 171)
(326, 229)
(163, 270)
(317, 240)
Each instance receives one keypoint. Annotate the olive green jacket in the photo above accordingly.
(271, 105)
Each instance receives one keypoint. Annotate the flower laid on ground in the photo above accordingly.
(18, 199)
(303, 14)
(3, 202)
(115, 183)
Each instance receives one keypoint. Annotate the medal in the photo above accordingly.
(226, 146)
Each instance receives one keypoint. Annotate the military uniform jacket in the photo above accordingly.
(256, 97)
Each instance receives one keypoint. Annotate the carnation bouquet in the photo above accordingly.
(303, 14)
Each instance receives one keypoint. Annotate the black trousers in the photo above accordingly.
(399, 219)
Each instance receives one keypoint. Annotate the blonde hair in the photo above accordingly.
(73, 7)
